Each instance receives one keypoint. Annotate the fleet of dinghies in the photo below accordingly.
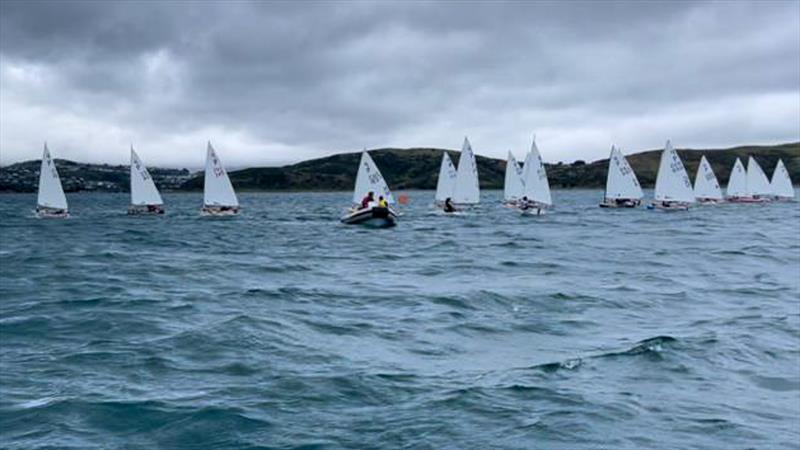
(526, 188)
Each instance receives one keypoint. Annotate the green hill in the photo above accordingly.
(418, 168)
(415, 168)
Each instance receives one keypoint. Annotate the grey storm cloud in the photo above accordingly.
(276, 82)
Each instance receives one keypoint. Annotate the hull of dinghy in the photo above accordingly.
(218, 212)
(51, 214)
(376, 217)
(145, 210)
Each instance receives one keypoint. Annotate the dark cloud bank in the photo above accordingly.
(275, 82)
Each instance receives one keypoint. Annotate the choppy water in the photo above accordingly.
(281, 328)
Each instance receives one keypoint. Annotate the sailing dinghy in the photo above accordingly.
(219, 199)
(622, 186)
(370, 192)
(736, 190)
(781, 184)
(446, 184)
(536, 197)
(758, 186)
(466, 190)
(673, 189)
(706, 186)
(513, 186)
(51, 201)
(145, 199)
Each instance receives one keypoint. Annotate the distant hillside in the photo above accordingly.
(24, 177)
(416, 168)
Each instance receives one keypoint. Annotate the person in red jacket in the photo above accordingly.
(369, 198)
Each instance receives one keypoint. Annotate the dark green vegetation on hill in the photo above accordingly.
(416, 168)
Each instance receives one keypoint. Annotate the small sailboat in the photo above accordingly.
(758, 186)
(446, 184)
(513, 186)
(706, 186)
(673, 189)
(371, 189)
(219, 199)
(51, 201)
(466, 190)
(781, 183)
(145, 199)
(736, 190)
(622, 186)
(536, 197)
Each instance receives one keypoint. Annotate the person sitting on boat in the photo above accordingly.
(525, 203)
(448, 205)
(369, 198)
(382, 202)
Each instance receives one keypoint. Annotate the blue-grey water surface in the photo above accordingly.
(281, 328)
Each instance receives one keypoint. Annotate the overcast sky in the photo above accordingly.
(271, 82)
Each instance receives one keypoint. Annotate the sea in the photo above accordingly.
(283, 329)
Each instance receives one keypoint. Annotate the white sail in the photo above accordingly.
(217, 190)
(51, 194)
(757, 182)
(781, 182)
(621, 182)
(672, 181)
(705, 182)
(369, 179)
(536, 186)
(513, 187)
(467, 190)
(143, 189)
(737, 183)
(446, 184)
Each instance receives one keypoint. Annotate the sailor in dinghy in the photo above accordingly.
(367, 211)
(622, 186)
(51, 202)
(219, 199)
(673, 189)
(145, 199)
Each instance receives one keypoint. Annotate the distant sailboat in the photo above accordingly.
(513, 186)
(622, 186)
(145, 198)
(536, 190)
(673, 188)
(219, 199)
(706, 186)
(51, 201)
(446, 184)
(467, 190)
(736, 190)
(758, 187)
(370, 188)
(781, 184)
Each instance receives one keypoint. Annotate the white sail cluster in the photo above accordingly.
(529, 182)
